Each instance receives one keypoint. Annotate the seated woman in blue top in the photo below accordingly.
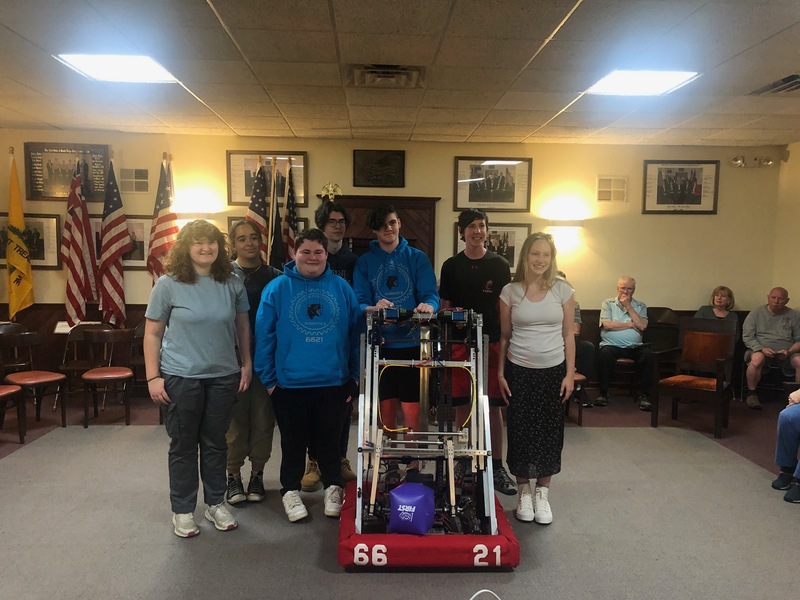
(721, 306)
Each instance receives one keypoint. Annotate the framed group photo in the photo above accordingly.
(243, 166)
(42, 236)
(503, 238)
(139, 229)
(379, 168)
(680, 187)
(492, 184)
(49, 170)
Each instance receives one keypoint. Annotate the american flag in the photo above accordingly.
(164, 229)
(290, 224)
(115, 240)
(77, 252)
(257, 210)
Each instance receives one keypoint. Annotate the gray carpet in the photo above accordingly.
(640, 513)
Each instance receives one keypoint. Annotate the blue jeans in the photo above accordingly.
(788, 439)
(198, 417)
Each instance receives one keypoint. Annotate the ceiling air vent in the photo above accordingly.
(393, 77)
(788, 85)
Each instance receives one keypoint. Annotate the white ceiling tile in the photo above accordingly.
(432, 137)
(287, 45)
(409, 17)
(460, 78)
(308, 94)
(364, 48)
(297, 73)
(460, 99)
(309, 112)
(382, 113)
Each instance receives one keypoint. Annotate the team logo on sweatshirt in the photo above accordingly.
(392, 281)
(315, 312)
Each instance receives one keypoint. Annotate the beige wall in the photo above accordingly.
(675, 259)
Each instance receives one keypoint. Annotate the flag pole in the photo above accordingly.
(272, 205)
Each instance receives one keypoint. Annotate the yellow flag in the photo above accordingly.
(20, 279)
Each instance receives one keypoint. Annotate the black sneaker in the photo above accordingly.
(503, 483)
(255, 489)
(235, 493)
(601, 400)
(793, 495)
(783, 481)
(644, 403)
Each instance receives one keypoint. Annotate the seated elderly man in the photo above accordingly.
(622, 323)
(772, 335)
(786, 449)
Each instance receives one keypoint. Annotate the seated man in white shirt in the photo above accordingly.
(622, 323)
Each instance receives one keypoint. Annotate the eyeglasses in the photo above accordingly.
(336, 222)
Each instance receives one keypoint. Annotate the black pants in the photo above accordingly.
(310, 416)
(642, 355)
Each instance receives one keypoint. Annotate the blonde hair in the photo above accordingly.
(521, 273)
(727, 290)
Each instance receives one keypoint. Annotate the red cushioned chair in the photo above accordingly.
(34, 383)
(14, 392)
(110, 353)
(704, 369)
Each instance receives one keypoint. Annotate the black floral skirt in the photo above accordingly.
(535, 420)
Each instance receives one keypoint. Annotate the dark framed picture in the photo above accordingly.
(42, 235)
(495, 184)
(49, 169)
(139, 229)
(379, 168)
(243, 166)
(680, 187)
(503, 238)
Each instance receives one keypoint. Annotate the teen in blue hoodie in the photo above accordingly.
(393, 274)
(307, 355)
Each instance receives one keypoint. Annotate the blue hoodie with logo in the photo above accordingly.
(307, 331)
(404, 276)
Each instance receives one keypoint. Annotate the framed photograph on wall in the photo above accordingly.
(503, 238)
(49, 169)
(379, 168)
(243, 166)
(680, 187)
(139, 230)
(493, 184)
(42, 235)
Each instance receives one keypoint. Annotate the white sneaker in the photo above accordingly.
(184, 525)
(333, 501)
(221, 517)
(294, 507)
(544, 516)
(524, 503)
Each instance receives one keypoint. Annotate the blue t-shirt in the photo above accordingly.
(200, 338)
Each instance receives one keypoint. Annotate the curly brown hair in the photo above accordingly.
(179, 262)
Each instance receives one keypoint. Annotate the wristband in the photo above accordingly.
(151, 379)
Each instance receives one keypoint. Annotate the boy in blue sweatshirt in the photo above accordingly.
(393, 274)
(307, 356)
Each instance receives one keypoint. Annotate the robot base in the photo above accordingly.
(392, 550)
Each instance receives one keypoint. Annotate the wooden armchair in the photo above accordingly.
(704, 369)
